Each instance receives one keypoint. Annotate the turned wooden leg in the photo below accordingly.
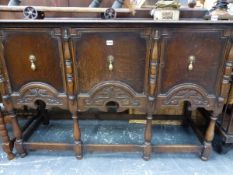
(7, 145)
(18, 135)
(77, 137)
(208, 139)
(147, 136)
(187, 114)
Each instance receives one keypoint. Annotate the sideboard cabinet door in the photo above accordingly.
(32, 61)
(112, 62)
(191, 65)
(128, 50)
(32, 55)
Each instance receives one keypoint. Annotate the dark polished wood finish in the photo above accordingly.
(191, 42)
(43, 44)
(129, 59)
(200, 81)
(115, 64)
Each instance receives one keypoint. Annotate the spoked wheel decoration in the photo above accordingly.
(110, 14)
(30, 13)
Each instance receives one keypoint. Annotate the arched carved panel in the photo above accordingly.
(187, 94)
(31, 92)
(196, 95)
(106, 92)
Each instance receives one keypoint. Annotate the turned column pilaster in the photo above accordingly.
(72, 100)
(151, 98)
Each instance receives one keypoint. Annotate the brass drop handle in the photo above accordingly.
(191, 62)
(110, 62)
(32, 60)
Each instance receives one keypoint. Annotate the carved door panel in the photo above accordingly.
(19, 46)
(112, 57)
(32, 59)
(191, 65)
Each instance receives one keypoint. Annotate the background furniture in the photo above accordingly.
(223, 140)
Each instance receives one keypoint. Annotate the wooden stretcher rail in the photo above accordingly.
(114, 147)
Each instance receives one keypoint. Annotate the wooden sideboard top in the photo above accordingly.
(125, 20)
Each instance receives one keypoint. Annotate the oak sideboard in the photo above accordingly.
(146, 65)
